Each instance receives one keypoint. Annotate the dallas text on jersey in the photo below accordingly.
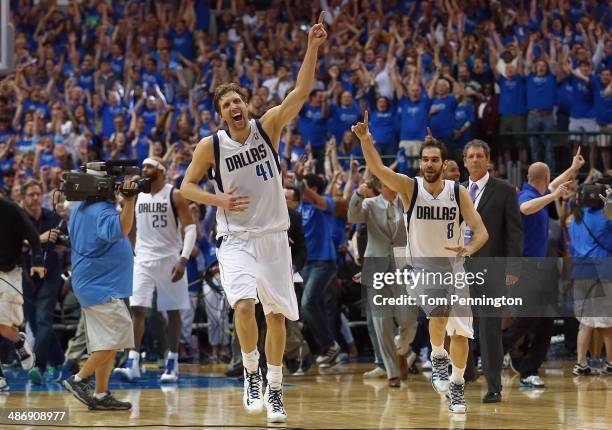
(436, 212)
(246, 158)
(152, 207)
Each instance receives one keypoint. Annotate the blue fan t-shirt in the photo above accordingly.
(583, 101)
(440, 121)
(318, 230)
(541, 91)
(535, 226)
(512, 96)
(413, 118)
(312, 125)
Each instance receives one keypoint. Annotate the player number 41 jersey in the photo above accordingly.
(254, 169)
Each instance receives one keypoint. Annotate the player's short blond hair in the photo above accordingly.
(225, 89)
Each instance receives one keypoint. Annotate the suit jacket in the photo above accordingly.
(499, 210)
(378, 255)
(372, 211)
(296, 234)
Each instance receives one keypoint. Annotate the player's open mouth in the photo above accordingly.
(237, 118)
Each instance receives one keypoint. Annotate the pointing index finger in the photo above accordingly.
(321, 17)
(365, 118)
(578, 151)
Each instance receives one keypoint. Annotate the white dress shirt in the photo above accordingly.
(482, 183)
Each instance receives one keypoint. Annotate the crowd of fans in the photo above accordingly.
(107, 80)
(125, 79)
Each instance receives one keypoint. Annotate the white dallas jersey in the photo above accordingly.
(254, 169)
(157, 228)
(433, 223)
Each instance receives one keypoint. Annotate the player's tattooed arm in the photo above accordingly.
(275, 119)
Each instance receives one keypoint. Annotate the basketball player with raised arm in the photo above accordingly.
(433, 223)
(252, 222)
(159, 265)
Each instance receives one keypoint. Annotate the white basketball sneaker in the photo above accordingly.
(4, 386)
(131, 371)
(24, 352)
(456, 398)
(377, 372)
(252, 399)
(273, 400)
(439, 373)
(170, 375)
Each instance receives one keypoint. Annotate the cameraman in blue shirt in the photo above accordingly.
(102, 268)
(591, 247)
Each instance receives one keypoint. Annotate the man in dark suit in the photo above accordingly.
(297, 242)
(297, 351)
(495, 201)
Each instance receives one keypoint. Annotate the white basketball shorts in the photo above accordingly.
(11, 299)
(460, 321)
(259, 268)
(153, 275)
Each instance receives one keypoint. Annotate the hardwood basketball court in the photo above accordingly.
(338, 398)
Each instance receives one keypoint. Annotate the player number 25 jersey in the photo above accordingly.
(157, 228)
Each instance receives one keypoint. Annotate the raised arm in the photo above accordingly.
(492, 57)
(396, 181)
(396, 83)
(529, 55)
(534, 205)
(432, 86)
(552, 57)
(577, 163)
(276, 118)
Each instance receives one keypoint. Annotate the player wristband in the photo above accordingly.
(184, 262)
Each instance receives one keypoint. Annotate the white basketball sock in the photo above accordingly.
(275, 376)
(438, 351)
(457, 375)
(250, 360)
